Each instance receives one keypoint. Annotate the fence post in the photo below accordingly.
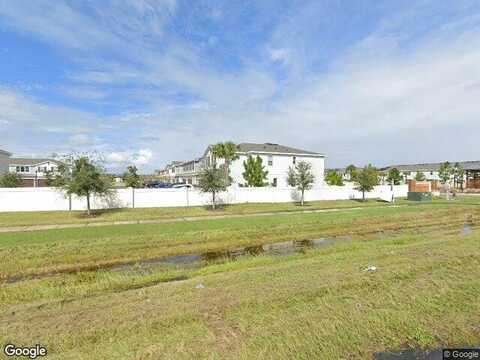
(188, 200)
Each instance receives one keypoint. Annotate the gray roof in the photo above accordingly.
(273, 148)
(467, 165)
(29, 161)
(471, 165)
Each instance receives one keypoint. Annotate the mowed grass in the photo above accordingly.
(66, 250)
(10, 219)
(315, 305)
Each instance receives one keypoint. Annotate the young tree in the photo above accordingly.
(445, 174)
(132, 180)
(394, 177)
(332, 177)
(10, 180)
(367, 179)
(301, 177)
(255, 173)
(212, 181)
(352, 171)
(458, 174)
(84, 179)
(228, 152)
(420, 176)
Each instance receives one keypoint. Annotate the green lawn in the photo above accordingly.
(79, 217)
(313, 305)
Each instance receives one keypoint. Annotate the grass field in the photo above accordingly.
(316, 304)
(79, 217)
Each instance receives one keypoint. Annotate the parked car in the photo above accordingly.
(157, 185)
(182, 185)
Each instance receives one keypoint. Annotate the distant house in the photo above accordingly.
(430, 171)
(4, 161)
(472, 174)
(276, 159)
(168, 173)
(32, 171)
(188, 171)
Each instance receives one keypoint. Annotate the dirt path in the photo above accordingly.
(179, 219)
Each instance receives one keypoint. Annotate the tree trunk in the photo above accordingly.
(213, 200)
(227, 166)
(88, 204)
(303, 191)
(363, 195)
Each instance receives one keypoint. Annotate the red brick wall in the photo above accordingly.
(473, 184)
(414, 186)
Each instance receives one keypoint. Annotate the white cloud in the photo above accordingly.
(381, 100)
(143, 157)
(26, 112)
(281, 55)
(118, 157)
(80, 139)
(140, 158)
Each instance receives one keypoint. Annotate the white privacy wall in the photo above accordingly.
(43, 199)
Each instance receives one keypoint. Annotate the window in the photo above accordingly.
(294, 160)
(18, 169)
(270, 160)
(274, 183)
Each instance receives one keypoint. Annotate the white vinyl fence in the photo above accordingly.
(43, 199)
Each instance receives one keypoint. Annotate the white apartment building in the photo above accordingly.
(188, 171)
(4, 161)
(168, 173)
(277, 159)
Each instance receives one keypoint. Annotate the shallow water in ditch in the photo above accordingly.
(466, 229)
(275, 249)
(215, 257)
(206, 258)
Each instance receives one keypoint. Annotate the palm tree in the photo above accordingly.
(228, 152)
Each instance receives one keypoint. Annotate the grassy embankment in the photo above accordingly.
(318, 304)
(9, 219)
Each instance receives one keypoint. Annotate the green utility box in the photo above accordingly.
(419, 196)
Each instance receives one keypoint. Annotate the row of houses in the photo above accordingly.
(32, 171)
(430, 171)
(276, 158)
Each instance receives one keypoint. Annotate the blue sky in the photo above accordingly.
(147, 82)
